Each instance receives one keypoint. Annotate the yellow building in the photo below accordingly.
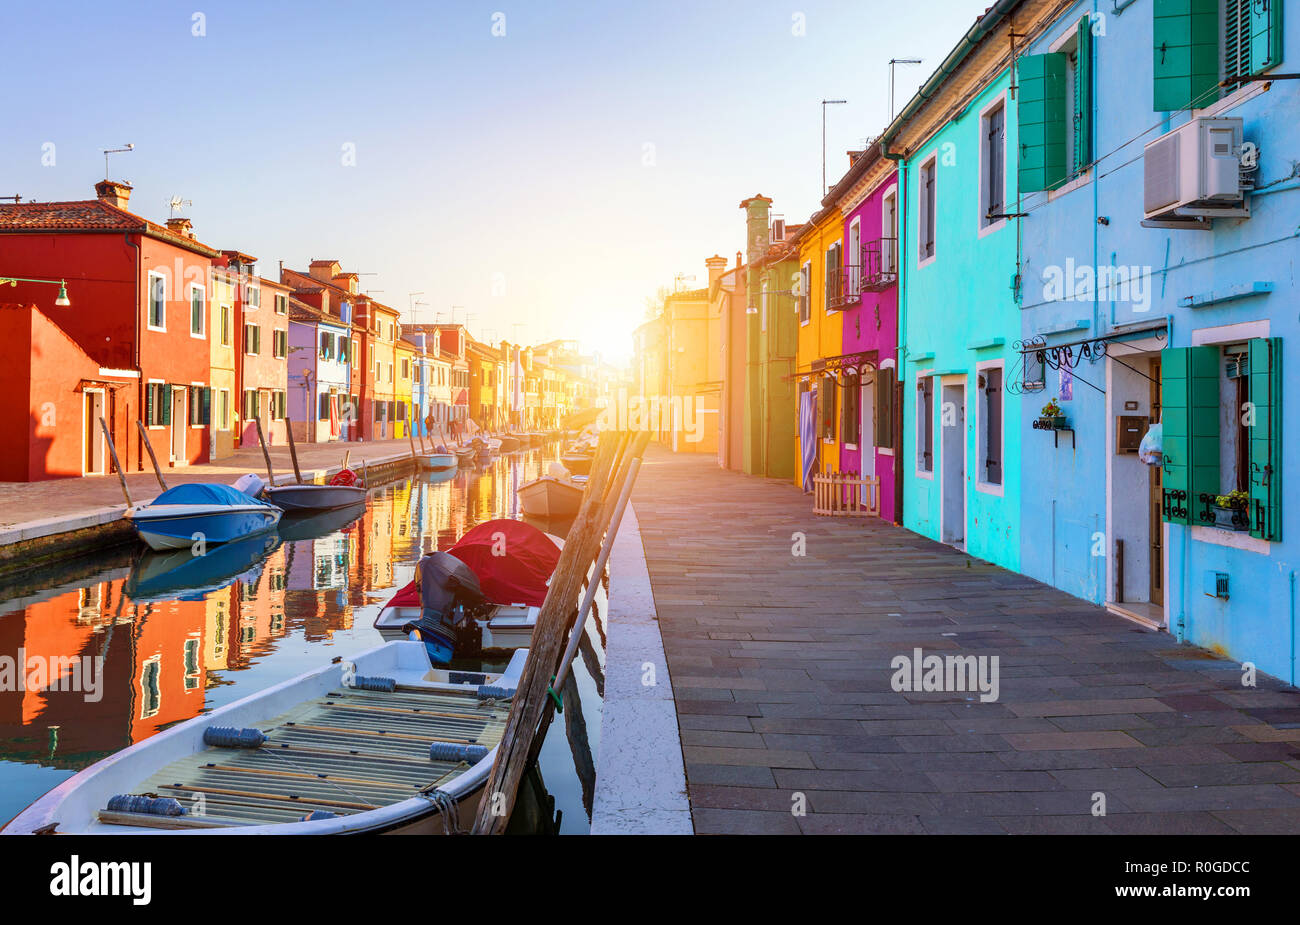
(403, 380)
(821, 330)
(223, 292)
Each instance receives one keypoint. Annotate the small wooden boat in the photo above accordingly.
(217, 513)
(381, 743)
(438, 461)
(509, 443)
(577, 463)
(465, 455)
(550, 496)
(310, 497)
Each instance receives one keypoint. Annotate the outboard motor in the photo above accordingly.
(250, 485)
(447, 585)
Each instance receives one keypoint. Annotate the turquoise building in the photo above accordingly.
(958, 311)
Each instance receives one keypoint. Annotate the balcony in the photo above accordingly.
(879, 264)
(844, 287)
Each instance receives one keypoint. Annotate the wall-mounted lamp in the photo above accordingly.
(62, 299)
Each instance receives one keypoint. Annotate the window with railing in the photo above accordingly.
(879, 264)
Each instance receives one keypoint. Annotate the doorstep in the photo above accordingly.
(1141, 612)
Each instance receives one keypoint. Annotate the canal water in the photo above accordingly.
(177, 637)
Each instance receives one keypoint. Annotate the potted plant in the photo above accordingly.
(1231, 511)
(1051, 415)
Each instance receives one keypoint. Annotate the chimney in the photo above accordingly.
(739, 259)
(324, 270)
(181, 226)
(114, 192)
(756, 230)
(717, 266)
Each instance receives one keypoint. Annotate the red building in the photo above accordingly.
(139, 311)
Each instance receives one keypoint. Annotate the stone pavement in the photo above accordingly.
(781, 671)
(21, 502)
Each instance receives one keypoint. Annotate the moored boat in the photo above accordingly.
(552, 495)
(438, 461)
(201, 511)
(310, 497)
(378, 743)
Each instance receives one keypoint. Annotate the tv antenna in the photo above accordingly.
(175, 203)
(108, 151)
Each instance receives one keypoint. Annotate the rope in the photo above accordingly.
(447, 808)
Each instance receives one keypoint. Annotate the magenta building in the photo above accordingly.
(871, 427)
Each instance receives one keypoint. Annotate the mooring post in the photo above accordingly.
(266, 454)
(112, 449)
(144, 435)
(293, 448)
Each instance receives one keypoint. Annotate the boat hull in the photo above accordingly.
(314, 497)
(549, 497)
(179, 526)
(577, 464)
(438, 462)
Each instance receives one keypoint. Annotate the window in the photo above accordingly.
(223, 409)
(345, 355)
(885, 405)
(279, 344)
(990, 422)
(200, 406)
(1054, 110)
(197, 305)
(925, 231)
(150, 691)
(406, 370)
(826, 405)
(323, 411)
(762, 308)
(1197, 43)
(993, 179)
(1223, 432)
(851, 415)
(281, 304)
(158, 404)
(326, 345)
(157, 302)
(834, 279)
(225, 325)
(855, 260)
(254, 296)
(252, 339)
(925, 424)
(805, 286)
(252, 405)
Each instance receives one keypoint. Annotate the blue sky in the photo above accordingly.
(544, 181)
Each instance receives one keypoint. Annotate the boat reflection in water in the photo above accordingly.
(173, 636)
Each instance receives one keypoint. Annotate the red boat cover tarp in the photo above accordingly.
(345, 477)
(513, 560)
(407, 597)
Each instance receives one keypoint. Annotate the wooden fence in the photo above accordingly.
(846, 494)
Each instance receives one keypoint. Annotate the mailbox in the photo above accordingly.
(1129, 431)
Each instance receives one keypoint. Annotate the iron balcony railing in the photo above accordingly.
(879, 264)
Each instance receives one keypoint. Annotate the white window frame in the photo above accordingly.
(854, 263)
(932, 162)
(986, 228)
(1059, 45)
(162, 309)
(805, 281)
(147, 383)
(203, 313)
(989, 488)
(916, 451)
(189, 407)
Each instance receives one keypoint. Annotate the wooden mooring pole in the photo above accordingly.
(535, 689)
(293, 448)
(144, 435)
(266, 453)
(112, 450)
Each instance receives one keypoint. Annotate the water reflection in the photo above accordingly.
(174, 636)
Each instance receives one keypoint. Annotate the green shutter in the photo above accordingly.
(207, 406)
(148, 403)
(1265, 34)
(1266, 438)
(1083, 96)
(1189, 395)
(165, 396)
(1185, 53)
(1040, 112)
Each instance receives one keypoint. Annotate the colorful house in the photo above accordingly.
(147, 287)
(1146, 304)
(262, 366)
(404, 357)
(870, 423)
(960, 311)
(820, 339)
(773, 304)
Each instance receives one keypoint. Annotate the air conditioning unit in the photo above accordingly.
(1193, 175)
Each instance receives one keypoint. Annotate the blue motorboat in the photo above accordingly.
(201, 512)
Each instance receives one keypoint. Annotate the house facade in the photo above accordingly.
(820, 339)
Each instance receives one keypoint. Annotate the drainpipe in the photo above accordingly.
(1186, 528)
(1293, 627)
(139, 379)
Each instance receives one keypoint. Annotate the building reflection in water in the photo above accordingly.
(164, 654)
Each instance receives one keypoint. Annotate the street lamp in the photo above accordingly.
(826, 103)
(61, 300)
